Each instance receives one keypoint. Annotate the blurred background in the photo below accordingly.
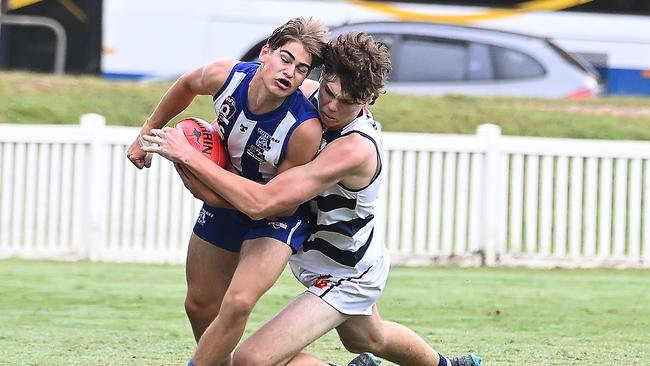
(604, 45)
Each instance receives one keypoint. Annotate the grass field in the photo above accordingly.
(56, 313)
(40, 98)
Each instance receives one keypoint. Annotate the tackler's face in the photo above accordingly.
(284, 69)
(335, 107)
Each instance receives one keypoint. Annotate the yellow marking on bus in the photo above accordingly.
(17, 4)
(526, 7)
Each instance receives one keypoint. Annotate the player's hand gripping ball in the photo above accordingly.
(203, 137)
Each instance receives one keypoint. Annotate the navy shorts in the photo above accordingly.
(227, 229)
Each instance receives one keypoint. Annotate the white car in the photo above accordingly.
(437, 59)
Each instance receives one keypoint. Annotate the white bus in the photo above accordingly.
(162, 39)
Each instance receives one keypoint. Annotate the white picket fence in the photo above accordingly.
(68, 192)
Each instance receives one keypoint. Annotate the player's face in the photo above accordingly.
(285, 68)
(335, 107)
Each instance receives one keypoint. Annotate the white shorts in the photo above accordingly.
(351, 291)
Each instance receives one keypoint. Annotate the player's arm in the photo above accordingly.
(205, 80)
(172, 145)
(348, 157)
(199, 190)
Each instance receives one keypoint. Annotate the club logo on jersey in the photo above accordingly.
(202, 215)
(262, 145)
(322, 281)
(227, 110)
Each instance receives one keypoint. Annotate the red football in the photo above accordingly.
(204, 138)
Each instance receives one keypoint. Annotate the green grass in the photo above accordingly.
(58, 313)
(41, 98)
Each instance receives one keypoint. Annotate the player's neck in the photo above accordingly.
(260, 100)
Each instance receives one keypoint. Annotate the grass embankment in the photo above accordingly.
(41, 98)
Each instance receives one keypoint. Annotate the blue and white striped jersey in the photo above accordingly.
(256, 143)
(343, 226)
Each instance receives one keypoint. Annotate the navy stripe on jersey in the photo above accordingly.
(344, 257)
(334, 201)
(339, 282)
(348, 228)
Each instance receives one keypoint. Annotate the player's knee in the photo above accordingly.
(198, 305)
(364, 343)
(247, 357)
(238, 305)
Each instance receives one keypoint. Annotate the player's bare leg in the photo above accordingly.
(208, 272)
(261, 262)
(280, 340)
(386, 339)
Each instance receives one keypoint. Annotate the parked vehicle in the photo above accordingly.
(430, 58)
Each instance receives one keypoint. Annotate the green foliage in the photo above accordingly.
(40, 98)
(59, 313)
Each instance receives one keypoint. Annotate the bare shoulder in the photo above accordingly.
(303, 144)
(310, 130)
(215, 74)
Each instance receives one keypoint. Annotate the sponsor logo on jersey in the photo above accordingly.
(262, 145)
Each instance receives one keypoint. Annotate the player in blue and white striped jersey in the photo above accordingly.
(267, 126)
(341, 264)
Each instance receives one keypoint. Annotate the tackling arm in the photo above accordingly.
(342, 158)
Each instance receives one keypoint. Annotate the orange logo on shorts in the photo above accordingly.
(321, 282)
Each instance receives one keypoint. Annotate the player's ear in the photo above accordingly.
(264, 53)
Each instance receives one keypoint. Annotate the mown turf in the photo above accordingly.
(58, 313)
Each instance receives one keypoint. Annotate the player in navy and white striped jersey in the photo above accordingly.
(341, 264)
(268, 126)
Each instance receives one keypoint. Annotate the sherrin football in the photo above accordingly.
(203, 137)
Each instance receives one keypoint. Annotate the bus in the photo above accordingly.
(154, 39)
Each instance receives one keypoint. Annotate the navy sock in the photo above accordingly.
(443, 361)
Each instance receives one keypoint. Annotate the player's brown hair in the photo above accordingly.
(311, 32)
(361, 63)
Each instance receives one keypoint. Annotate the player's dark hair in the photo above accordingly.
(361, 64)
(310, 32)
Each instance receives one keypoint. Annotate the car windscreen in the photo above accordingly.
(584, 66)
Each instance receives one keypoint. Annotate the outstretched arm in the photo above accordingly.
(202, 81)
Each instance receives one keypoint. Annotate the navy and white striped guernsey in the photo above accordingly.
(256, 143)
(344, 220)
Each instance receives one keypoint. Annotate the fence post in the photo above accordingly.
(489, 134)
(96, 187)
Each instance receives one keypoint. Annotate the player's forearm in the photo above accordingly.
(247, 196)
(215, 200)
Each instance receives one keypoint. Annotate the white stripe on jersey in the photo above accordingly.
(269, 169)
(236, 79)
(238, 137)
